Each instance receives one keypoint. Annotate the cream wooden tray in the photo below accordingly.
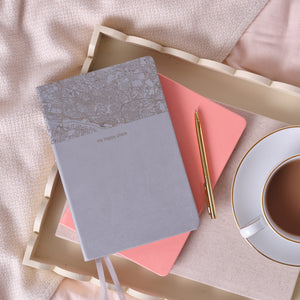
(212, 79)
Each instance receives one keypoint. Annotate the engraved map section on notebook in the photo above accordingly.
(102, 99)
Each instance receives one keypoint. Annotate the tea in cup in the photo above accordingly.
(280, 205)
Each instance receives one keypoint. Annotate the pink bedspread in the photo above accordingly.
(271, 44)
(269, 47)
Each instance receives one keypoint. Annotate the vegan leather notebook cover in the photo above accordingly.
(222, 129)
(118, 158)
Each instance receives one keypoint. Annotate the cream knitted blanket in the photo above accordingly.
(44, 41)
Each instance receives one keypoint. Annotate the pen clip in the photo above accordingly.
(207, 200)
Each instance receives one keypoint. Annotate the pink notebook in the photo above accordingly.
(222, 129)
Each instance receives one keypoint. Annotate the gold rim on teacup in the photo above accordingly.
(267, 217)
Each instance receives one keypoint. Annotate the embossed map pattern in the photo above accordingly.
(102, 99)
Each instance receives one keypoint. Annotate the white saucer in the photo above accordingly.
(247, 188)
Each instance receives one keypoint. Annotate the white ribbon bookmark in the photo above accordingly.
(101, 278)
(113, 276)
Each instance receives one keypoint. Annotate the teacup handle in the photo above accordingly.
(253, 227)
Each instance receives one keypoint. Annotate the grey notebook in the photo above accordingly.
(118, 158)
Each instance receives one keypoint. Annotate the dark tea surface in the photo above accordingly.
(283, 197)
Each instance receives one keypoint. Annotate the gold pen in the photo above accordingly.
(207, 184)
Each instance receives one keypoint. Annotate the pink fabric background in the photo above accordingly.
(271, 44)
(78, 290)
(269, 47)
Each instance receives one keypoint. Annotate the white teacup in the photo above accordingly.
(267, 215)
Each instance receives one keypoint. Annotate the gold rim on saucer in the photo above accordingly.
(233, 182)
